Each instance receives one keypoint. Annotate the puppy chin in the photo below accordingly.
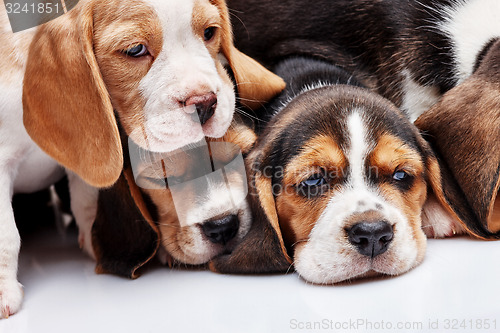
(315, 271)
(345, 265)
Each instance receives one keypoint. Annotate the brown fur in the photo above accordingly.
(391, 153)
(85, 76)
(473, 159)
(292, 216)
(296, 214)
(255, 84)
(125, 234)
(173, 233)
(66, 106)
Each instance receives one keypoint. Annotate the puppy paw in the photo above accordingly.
(11, 297)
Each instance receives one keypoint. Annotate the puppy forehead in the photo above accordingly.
(173, 11)
(320, 151)
(391, 151)
(329, 112)
(176, 13)
(126, 21)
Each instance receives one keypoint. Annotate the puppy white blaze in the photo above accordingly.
(184, 68)
(328, 256)
(470, 25)
(358, 150)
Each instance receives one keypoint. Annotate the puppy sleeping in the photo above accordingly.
(418, 54)
(186, 206)
(339, 182)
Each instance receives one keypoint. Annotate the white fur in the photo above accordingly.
(23, 168)
(470, 25)
(417, 98)
(220, 193)
(438, 223)
(84, 208)
(358, 149)
(212, 194)
(328, 256)
(183, 68)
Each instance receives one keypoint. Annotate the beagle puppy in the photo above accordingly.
(186, 206)
(342, 183)
(158, 69)
(418, 54)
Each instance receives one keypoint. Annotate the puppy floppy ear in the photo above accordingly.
(67, 110)
(255, 84)
(262, 250)
(464, 131)
(124, 236)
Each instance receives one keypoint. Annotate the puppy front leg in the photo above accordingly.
(11, 291)
(84, 208)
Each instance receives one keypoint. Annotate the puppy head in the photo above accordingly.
(193, 200)
(157, 65)
(342, 176)
(200, 196)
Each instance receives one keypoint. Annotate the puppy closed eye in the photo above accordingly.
(313, 186)
(315, 180)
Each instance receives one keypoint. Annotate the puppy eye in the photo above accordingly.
(314, 180)
(400, 175)
(137, 51)
(313, 186)
(209, 33)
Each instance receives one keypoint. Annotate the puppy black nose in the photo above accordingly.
(222, 230)
(370, 238)
(205, 105)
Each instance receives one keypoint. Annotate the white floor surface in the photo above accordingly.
(457, 288)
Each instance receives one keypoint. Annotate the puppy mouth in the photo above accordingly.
(346, 263)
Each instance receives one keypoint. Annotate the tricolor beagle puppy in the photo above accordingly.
(339, 181)
(186, 206)
(418, 54)
(158, 68)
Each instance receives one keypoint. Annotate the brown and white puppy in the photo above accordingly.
(341, 183)
(64, 86)
(147, 62)
(186, 206)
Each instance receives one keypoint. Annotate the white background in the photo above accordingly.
(459, 280)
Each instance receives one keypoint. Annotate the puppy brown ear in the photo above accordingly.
(263, 249)
(464, 131)
(124, 237)
(67, 110)
(255, 84)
